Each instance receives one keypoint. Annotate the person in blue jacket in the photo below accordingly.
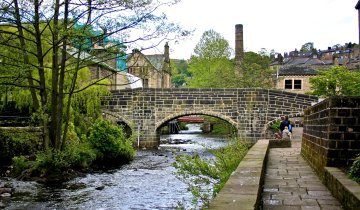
(285, 122)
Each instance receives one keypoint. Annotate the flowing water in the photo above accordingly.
(147, 182)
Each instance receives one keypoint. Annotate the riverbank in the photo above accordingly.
(147, 182)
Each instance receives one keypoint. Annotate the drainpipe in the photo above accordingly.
(138, 138)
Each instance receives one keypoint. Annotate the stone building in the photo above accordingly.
(154, 70)
(294, 69)
(103, 65)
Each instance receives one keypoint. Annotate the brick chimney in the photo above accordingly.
(239, 47)
(357, 6)
(239, 43)
(166, 53)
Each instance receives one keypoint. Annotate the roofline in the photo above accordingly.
(133, 53)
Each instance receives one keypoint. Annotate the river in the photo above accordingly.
(147, 182)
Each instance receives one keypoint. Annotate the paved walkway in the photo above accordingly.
(291, 184)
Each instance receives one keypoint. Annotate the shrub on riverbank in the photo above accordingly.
(55, 165)
(110, 143)
(105, 146)
(18, 141)
(206, 177)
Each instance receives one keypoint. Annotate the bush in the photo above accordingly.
(50, 163)
(354, 172)
(205, 177)
(110, 143)
(276, 126)
(15, 142)
(183, 126)
(20, 164)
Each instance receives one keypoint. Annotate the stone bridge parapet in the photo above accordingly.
(248, 110)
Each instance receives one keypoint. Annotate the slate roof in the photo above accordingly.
(314, 61)
(328, 62)
(72, 51)
(156, 60)
(297, 70)
(297, 61)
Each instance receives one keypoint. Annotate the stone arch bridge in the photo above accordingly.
(145, 110)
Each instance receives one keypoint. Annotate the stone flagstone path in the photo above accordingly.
(291, 184)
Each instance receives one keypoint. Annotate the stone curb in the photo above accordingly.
(244, 187)
(342, 187)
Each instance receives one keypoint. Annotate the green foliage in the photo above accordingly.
(110, 143)
(20, 164)
(178, 80)
(211, 73)
(205, 177)
(212, 45)
(179, 72)
(336, 81)
(183, 126)
(77, 155)
(354, 172)
(15, 142)
(219, 126)
(222, 128)
(276, 126)
(308, 47)
(85, 107)
(211, 65)
(255, 71)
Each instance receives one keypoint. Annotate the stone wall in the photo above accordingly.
(331, 135)
(248, 110)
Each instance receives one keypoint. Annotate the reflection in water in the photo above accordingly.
(146, 183)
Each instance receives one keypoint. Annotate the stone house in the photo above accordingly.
(294, 69)
(295, 78)
(103, 65)
(154, 70)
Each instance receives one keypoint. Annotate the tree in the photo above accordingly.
(180, 72)
(336, 81)
(307, 47)
(36, 36)
(210, 65)
(255, 71)
(212, 45)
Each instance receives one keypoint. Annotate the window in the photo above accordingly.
(145, 83)
(297, 84)
(288, 84)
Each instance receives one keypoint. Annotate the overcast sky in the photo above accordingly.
(282, 25)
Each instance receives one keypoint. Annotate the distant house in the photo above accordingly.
(101, 67)
(294, 69)
(295, 78)
(105, 58)
(154, 70)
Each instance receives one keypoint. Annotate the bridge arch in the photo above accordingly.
(185, 113)
(116, 118)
